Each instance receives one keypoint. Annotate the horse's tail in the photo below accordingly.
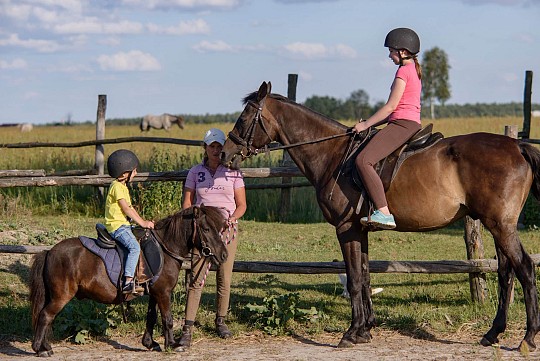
(37, 286)
(532, 156)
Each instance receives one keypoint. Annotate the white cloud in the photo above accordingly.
(185, 4)
(213, 46)
(95, 26)
(305, 76)
(42, 46)
(318, 51)
(134, 60)
(197, 26)
(13, 65)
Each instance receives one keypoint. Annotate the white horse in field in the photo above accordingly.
(163, 121)
(25, 127)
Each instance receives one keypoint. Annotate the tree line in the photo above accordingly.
(342, 110)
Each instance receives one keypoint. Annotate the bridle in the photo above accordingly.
(258, 119)
(250, 134)
(205, 251)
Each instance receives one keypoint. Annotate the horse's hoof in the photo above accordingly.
(344, 343)
(45, 353)
(155, 347)
(525, 347)
(485, 342)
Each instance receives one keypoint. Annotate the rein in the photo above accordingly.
(258, 119)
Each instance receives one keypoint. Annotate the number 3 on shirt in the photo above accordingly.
(201, 177)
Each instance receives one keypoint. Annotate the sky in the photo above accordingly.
(203, 56)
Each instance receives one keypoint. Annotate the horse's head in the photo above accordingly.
(194, 227)
(252, 131)
(208, 224)
(180, 121)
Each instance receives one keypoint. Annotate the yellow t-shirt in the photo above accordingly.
(114, 217)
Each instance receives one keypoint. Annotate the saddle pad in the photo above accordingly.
(109, 256)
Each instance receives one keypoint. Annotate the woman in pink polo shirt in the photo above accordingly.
(212, 184)
(401, 112)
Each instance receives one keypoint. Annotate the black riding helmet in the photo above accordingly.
(121, 161)
(403, 38)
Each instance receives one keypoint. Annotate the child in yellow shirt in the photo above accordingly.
(122, 165)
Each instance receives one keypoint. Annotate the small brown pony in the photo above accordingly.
(485, 176)
(70, 270)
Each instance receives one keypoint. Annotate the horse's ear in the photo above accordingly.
(196, 211)
(264, 89)
(269, 87)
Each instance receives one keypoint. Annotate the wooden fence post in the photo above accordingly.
(285, 204)
(475, 250)
(527, 106)
(100, 135)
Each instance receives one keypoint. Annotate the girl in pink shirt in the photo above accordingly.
(401, 112)
(212, 184)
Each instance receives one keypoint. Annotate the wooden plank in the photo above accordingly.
(426, 267)
(22, 173)
(104, 180)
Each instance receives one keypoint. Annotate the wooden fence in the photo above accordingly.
(475, 266)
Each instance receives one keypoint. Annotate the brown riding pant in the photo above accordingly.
(386, 141)
(223, 282)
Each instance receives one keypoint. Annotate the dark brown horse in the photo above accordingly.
(483, 175)
(70, 270)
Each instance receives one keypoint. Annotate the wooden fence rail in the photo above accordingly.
(425, 267)
(39, 179)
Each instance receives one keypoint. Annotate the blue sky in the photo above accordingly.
(203, 56)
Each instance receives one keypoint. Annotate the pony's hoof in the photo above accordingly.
(179, 348)
(350, 341)
(485, 342)
(155, 347)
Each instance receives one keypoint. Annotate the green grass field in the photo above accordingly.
(414, 304)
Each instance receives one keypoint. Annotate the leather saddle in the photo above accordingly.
(150, 261)
(388, 167)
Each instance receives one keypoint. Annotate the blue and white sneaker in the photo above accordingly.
(379, 220)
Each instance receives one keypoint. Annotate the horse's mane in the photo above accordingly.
(253, 97)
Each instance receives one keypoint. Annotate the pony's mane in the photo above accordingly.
(253, 97)
(175, 224)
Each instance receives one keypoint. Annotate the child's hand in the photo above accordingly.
(148, 224)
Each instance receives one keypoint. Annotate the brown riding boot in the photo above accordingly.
(222, 329)
(185, 340)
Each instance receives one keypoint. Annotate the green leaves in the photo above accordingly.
(276, 312)
(81, 319)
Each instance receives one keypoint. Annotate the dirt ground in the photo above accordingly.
(384, 346)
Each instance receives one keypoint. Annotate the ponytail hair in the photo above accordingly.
(418, 67)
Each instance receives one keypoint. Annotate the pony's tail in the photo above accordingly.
(532, 156)
(37, 286)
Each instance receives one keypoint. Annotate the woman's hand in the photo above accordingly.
(360, 126)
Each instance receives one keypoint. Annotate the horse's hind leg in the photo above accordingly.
(506, 279)
(512, 255)
(151, 318)
(40, 344)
